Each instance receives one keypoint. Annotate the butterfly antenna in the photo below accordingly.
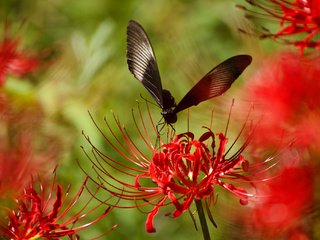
(148, 100)
(232, 104)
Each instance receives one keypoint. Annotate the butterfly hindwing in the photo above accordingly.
(215, 82)
(142, 62)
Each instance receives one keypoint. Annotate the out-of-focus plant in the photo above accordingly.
(92, 54)
(285, 91)
(14, 61)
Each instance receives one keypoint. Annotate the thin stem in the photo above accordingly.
(203, 221)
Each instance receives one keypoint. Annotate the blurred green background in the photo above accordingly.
(86, 70)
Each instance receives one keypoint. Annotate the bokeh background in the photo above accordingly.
(83, 68)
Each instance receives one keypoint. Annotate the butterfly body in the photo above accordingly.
(143, 65)
(169, 104)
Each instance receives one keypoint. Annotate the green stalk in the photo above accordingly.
(203, 221)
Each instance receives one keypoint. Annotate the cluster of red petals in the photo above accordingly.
(285, 91)
(187, 169)
(23, 149)
(39, 216)
(17, 162)
(177, 173)
(299, 19)
(13, 61)
(284, 202)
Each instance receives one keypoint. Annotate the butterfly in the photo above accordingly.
(142, 64)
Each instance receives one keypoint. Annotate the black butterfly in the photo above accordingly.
(143, 65)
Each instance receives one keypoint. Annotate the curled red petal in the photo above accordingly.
(149, 222)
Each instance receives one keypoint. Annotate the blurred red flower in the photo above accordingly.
(16, 164)
(177, 173)
(285, 91)
(283, 204)
(299, 20)
(13, 61)
(23, 147)
(39, 216)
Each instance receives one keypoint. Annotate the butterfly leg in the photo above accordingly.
(159, 127)
(172, 132)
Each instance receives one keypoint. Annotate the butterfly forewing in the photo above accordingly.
(215, 82)
(142, 62)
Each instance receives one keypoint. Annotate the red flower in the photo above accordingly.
(23, 148)
(177, 173)
(16, 164)
(13, 61)
(40, 216)
(285, 92)
(283, 204)
(299, 20)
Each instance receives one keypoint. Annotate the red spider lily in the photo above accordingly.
(176, 173)
(39, 216)
(23, 149)
(187, 169)
(286, 91)
(13, 61)
(299, 20)
(16, 164)
(283, 205)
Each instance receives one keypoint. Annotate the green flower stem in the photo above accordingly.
(203, 221)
